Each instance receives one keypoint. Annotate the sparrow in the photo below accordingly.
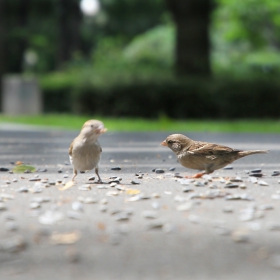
(85, 150)
(202, 155)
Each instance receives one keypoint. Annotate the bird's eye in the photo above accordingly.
(91, 125)
(169, 141)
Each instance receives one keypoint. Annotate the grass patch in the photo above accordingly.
(65, 121)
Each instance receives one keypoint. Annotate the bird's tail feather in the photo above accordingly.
(252, 152)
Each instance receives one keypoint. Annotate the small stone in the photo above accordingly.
(103, 187)
(159, 171)
(257, 170)
(103, 208)
(155, 195)
(50, 217)
(13, 244)
(228, 167)
(77, 206)
(228, 209)
(85, 188)
(51, 183)
(274, 261)
(2, 206)
(112, 193)
(236, 180)
(3, 169)
(187, 190)
(172, 169)
(103, 201)
(155, 205)
(242, 186)
(42, 170)
(34, 205)
(120, 188)
(14, 180)
(252, 180)
(92, 178)
(7, 196)
(74, 215)
(266, 207)
(158, 224)
(149, 214)
(65, 176)
(144, 196)
(11, 226)
(89, 200)
(113, 184)
(60, 171)
(273, 226)
(258, 175)
(199, 184)
(40, 199)
(275, 173)
(135, 182)
(263, 183)
(22, 190)
(240, 236)
(34, 179)
(231, 186)
(116, 168)
(123, 216)
(185, 181)
(185, 207)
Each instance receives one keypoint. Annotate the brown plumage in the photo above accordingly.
(85, 150)
(202, 155)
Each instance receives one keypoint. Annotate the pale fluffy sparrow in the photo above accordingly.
(85, 150)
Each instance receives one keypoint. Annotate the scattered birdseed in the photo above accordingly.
(77, 206)
(157, 224)
(231, 186)
(263, 183)
(149, 214)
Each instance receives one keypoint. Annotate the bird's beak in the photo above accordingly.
(101, 130)
(163, 143)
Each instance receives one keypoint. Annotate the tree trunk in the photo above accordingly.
(69, 22)
(192, 19)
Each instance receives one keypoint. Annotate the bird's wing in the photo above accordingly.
(209, 149)
(71, 149)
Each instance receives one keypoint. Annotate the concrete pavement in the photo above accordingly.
(161, 228)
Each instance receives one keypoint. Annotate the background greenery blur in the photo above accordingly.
(215, 59)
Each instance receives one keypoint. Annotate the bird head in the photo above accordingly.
(176, 142)
(93, 129)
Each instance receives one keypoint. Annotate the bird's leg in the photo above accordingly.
(75, 174)
(195, 176)
(99, 179)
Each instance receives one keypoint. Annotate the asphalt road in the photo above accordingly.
(157, 229)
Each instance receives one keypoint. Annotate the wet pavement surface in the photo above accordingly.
(145, 221)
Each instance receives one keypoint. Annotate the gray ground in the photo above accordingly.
(144, 236)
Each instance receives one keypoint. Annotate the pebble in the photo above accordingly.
(159, 171)
(252, 180)
(240, 236)
(275, 173)
(263, 183)
(13, 244)
(2, 206)
(40, 199)
(34, 205)
(257, 170)
(103, 208)
(85, 188)
(186, 181)
(6, 196)
(120, 188)
(3, 169)
(52, 183)
(172, 169)
(113, 184)
(149, 214)
(42, 170)
(22, 190)
(231, 186)
(77, 206)
(187, 190)
(34, 179)
(228, 167)
(273, 226)
(14, 180)
(185, 207)
(74, 215)
(135, 182)
(156, 195)
(274, 261)
(103, 187)
(112, 193)
(236, 180)
(158, 224)
(228, 209)
(65, 176)
(11, 226)
(155, 205)
(242, 186)
(123, 216)
(103, 201)
(50, 217)
(89, 200)
(199, 184)
(258, 175)
(266, 207)
(117, 168)
(238, 197)
(92, 178)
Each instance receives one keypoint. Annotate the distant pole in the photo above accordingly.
(2, 45)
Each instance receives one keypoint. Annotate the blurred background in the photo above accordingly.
(181, 59)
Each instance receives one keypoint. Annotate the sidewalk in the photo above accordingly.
(159, 228)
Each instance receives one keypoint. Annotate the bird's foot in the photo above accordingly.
(195, 176)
